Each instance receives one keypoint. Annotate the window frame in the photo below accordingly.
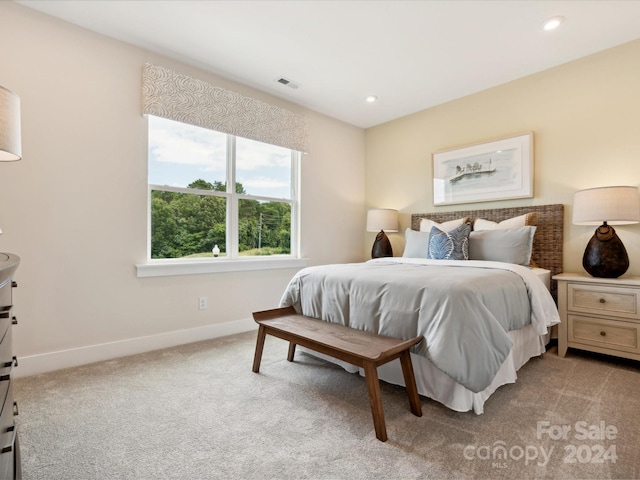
(233, 261)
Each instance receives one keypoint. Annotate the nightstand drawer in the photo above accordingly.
(611, 334)
(606, 300)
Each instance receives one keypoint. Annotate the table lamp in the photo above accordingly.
(382, 219)
(10, 147)
(605, 255)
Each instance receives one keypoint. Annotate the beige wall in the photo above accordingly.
(74, 209)
(586, 125)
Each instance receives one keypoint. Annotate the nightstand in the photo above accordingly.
(599, 314)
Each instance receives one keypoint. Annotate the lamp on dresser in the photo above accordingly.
(382, 219)
(605, 255)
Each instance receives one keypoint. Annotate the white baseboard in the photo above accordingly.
(47, 362)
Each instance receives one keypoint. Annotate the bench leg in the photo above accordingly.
(292, 351)
(259, 347)
(410, 382)
(371, 375)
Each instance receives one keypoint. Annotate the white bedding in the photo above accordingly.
(544, 276)
(433, 383)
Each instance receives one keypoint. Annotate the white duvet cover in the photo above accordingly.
(397, 297)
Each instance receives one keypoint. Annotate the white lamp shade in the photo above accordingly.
(10, 146)
(382, 219)
(614, 205)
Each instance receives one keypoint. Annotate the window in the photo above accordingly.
(209, 189)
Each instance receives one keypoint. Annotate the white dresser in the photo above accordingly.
(599, 314)
(10, 468)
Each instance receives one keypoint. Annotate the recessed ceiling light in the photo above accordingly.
(552, 23)
(371, 98)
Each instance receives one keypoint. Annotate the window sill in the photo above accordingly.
(163, 268)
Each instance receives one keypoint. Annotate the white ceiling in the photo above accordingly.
(411, 54)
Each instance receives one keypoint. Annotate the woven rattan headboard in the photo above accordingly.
(547, 243)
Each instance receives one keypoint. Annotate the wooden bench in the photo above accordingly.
(364, 349)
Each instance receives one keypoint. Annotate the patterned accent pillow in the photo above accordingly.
(453, 245)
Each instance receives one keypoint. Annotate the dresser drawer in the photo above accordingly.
(7, 363)
(5, 323)
(7, 437)
(5, 341)
(612, 301)
(610, 334)
(5, 296)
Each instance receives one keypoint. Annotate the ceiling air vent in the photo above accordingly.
(288, 83)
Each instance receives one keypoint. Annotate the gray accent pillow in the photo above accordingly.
(417, 244)
(453, 245)
(509, 245)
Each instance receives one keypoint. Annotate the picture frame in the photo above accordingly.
(500, 169)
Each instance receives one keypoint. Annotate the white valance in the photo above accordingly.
(178, 97)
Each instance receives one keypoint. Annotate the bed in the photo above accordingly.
(482, 317)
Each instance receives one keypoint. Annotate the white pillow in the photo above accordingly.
(426, 225)
(417, 244)
(509, 245)
(528, 219)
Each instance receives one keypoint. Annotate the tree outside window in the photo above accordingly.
(192, 209)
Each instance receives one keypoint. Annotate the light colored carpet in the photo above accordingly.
(198, 412)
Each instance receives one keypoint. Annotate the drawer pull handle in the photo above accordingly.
(603, 333)
(602, 300)
(12, 363)
(7, 376)
(9, 448)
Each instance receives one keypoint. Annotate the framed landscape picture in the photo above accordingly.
(497, 170)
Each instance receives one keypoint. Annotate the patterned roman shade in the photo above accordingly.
(178, 97)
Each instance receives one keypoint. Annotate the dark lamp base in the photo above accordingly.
(382, 246)
(605, 255)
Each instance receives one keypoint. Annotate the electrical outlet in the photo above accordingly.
(202, 303)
